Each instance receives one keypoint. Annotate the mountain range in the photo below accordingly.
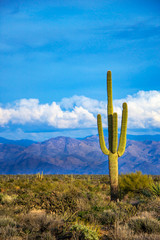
(64, 155)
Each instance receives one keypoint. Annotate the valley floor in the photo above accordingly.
(55, 207)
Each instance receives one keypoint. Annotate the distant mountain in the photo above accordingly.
(155, 137)
(64, 155)
(22, 142)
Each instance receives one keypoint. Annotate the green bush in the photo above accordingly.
(5, 198)
(134, 182)
(155, 188)
(83, 232)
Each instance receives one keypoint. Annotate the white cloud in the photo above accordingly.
(143, 109)
(81, 112)
(31, 111)
(92, 105)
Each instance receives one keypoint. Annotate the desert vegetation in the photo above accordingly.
(79, 207)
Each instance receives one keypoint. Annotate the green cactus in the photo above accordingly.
(112, 152)
(40, 176)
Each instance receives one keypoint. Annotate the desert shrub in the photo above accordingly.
(83, 232)
(156, 178)
(69, 200)
(86, 216)
(125, 211)
(8, 228)
(147, 193)
(5, 198)
(1, 197)
(104, 179)
(145, 236)
(47, 236)
(37, 223)
(92, 215)
(120, 232)
(155, 189)
(134, 182)
(117, 212)
(150, 207)
(8, 233)
(5, 221)
(108, 217)
(144, 224)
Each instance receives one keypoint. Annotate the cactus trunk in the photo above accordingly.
(112, 152)
(113, 175)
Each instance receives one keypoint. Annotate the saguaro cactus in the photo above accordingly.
(112, 152)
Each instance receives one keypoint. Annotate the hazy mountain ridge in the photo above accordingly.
(63, 155)
(22, 142)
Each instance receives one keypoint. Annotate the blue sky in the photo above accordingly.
(54, 56)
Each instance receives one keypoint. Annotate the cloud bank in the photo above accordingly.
(79, 112)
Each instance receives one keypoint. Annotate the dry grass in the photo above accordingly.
(69, 207)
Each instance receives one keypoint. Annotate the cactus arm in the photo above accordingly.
(115, 133)
(122, 141)
(101, 135)
(110, 109)
(109, 93)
